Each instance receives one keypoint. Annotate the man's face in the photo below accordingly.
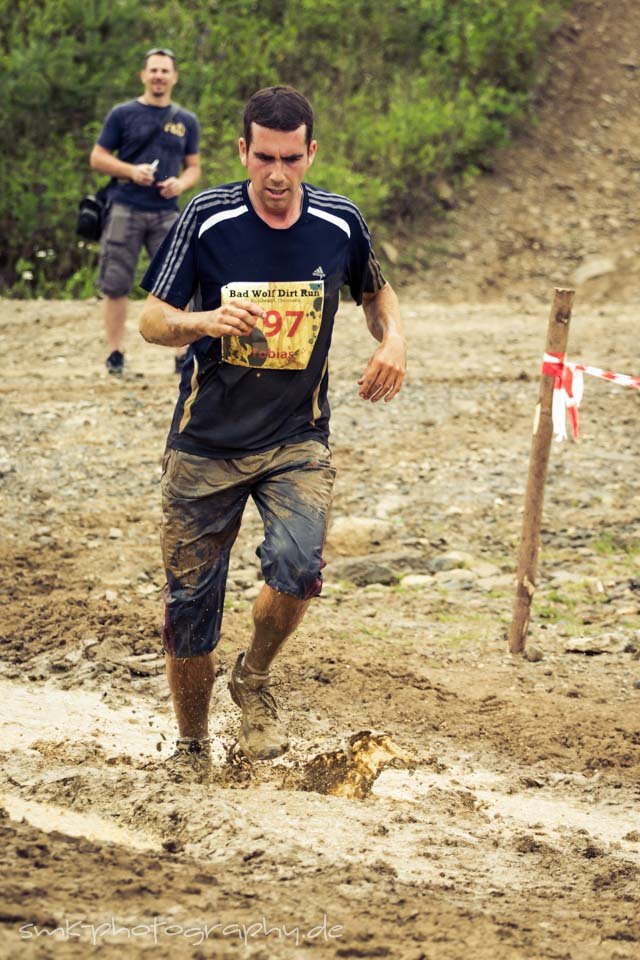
(276, 161)
(159, 76)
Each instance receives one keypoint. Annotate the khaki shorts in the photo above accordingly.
(203, 501)
(126, 231)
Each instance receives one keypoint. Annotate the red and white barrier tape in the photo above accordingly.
(569, 387)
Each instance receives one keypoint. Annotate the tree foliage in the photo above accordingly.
(403, 92)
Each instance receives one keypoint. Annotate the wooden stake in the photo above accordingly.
(557, 337)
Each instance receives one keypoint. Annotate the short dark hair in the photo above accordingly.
(161, 52)
(278, 108)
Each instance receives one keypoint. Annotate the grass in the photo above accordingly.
(609, 544)
(554, 596)
(606, 545)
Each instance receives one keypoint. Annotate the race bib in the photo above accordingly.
(284, 338)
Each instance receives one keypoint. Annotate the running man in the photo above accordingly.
(269, 255)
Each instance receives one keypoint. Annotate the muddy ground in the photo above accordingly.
(512, 827)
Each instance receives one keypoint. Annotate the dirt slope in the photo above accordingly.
(565, 194)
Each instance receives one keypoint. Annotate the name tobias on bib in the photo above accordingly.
(284, 338)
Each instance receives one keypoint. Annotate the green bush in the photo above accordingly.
(403, 93)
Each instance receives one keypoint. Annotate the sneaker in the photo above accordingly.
(262, 734)
(191, 760)
(115, 363)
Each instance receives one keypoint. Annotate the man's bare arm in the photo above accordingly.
(170, 327)
(385, 371)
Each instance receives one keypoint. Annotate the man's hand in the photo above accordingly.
(385, 371)
(171, 327)
(237, 318)
(143, 174)
(171, 187)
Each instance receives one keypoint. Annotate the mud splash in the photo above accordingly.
(351, 772)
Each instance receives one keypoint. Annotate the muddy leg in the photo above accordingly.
(191, 682)
(275, 617)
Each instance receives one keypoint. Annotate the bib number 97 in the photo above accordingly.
(272, 322)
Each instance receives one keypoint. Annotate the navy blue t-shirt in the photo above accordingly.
(126, 129)
(220, 244)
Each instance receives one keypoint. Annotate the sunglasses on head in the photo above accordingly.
(161, 51)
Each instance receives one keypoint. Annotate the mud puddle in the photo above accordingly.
(405, 821)
(42, 727)
(498, 800)
(36, 716)
(48, 817)
(30, 715)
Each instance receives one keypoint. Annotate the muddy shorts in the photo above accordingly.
(203, 501)
(125, 232)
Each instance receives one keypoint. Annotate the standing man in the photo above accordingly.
(157, 146)
(270, 256)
